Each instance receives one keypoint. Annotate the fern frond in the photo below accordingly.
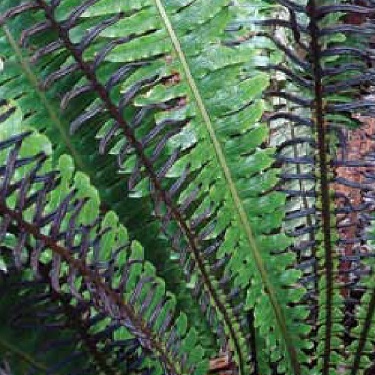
(148, 77)
(165, 72)
(22, 81)
(56, 212)
(111, 105)
(362, 288)
(325, 62)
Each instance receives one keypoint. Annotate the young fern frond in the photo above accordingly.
(51, 217)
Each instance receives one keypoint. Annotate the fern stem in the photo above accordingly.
(324, 184)
(233, 190)
(7, 347)
(50, 110)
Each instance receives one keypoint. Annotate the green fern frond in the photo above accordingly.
(54, 212)
(170, 73)
(22, 80)
(316, 92)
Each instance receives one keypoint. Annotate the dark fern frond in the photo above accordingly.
(67, 337)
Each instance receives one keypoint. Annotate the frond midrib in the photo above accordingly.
(241, 212)
(324, 183)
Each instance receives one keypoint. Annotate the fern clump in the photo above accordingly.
(219, 134)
